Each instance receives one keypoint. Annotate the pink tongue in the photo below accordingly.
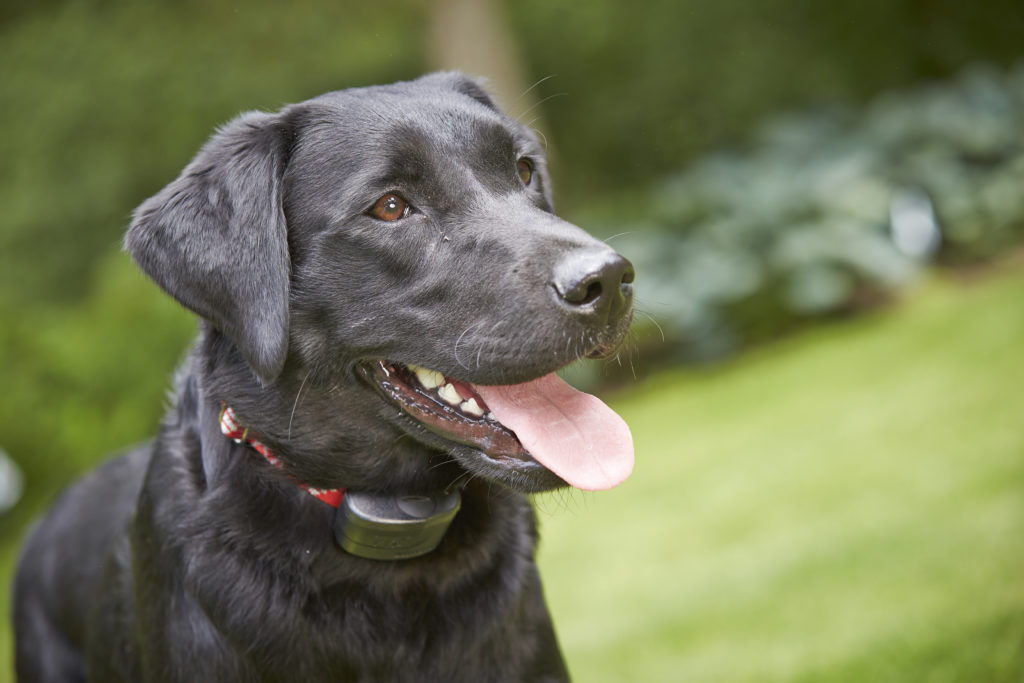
(573, 434)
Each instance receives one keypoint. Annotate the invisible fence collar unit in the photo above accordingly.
(370, 525)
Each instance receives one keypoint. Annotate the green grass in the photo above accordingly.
(847, 505)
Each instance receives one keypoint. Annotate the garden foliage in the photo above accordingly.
(830, 210)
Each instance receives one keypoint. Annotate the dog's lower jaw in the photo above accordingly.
(480, 444)
(470, 464)
(523, 477)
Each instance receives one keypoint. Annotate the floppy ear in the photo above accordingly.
(215, 239)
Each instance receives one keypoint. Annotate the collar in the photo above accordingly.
(231, 428)
(369, 525)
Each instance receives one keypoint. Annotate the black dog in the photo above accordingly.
(337, 492)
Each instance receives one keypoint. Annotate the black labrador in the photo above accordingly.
(337, 492)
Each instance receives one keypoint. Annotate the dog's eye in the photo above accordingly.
(525, 169)
(390, 208)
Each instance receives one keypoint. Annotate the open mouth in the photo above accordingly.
(447, 407)
(529, 427)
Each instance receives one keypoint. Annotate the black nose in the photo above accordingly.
(596, 282)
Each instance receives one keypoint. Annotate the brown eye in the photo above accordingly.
(525, 169)
(390, 207)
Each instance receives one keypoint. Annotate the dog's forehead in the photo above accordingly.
(413, 118)
(438, 133)
(425, 139)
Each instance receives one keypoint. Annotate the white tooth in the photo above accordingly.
(430, 379)
(449, 395)
(472, 407)
(490, 416)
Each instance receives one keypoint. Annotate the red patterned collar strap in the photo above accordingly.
(231, 428)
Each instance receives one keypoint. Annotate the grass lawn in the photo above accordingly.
(847, 505)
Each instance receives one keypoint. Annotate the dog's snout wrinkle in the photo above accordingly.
(595, 282)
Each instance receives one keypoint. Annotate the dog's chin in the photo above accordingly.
(448, 415)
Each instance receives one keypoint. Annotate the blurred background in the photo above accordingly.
(825, 206)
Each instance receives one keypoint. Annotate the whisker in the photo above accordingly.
(540, 102)
(467, 476)
(539, 133)
(458, 341)
(442, 463)
(528, 90)
(651, 318)
(295, 405)
(621, 234)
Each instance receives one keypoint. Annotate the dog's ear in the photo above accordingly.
(215, 238)
(469, 86)
(474, 88)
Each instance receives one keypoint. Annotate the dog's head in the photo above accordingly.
(387, 263)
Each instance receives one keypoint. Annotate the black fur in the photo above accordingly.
(192, 559)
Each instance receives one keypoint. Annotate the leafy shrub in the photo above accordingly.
(832, 209)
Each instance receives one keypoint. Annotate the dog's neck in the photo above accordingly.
(373, 526)
(233, 429)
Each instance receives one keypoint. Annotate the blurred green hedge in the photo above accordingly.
(831, 210)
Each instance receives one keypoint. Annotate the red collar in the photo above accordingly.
(231, 428)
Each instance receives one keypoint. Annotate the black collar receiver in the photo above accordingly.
(389, 527)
